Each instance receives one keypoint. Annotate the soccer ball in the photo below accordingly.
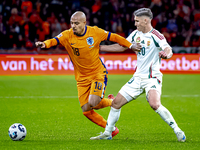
(17, 132)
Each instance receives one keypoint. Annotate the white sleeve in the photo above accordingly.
(161, 41)
(163, 44)
(129, 38)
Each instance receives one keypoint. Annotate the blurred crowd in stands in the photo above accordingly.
(22, 22)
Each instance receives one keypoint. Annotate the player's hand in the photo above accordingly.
(163, 55)
(136, 47)
(40, 44)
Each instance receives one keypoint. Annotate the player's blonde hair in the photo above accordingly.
(143, 12)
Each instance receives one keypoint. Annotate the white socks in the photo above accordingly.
(162, 111)
(112, 119)
(168, 118)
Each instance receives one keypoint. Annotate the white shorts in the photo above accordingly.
(136, 86)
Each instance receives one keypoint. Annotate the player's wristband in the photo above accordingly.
(131, 46)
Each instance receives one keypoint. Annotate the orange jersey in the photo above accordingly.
(84, 50)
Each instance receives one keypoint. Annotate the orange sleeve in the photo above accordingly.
(51, 42)
(119, 39)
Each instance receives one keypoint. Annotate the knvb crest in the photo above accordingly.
(90, 41)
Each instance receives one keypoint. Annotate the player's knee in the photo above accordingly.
(117, 103)
(155, 106)
(93, 103)
(114, 103)
(86, 108)
(94, 100)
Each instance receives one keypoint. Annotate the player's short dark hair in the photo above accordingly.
(143, 12)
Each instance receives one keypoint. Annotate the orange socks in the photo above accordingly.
(105, 102)
(96, 118)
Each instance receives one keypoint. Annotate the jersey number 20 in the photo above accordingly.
(142, 52)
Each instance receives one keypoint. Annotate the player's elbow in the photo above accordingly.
(103, 48)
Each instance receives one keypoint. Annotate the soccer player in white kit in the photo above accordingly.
(147, 78)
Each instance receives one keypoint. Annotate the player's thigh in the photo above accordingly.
(83, 92)
(154, 99)
(92, 86)
(98, 86)
(131, 90)
(153, 87)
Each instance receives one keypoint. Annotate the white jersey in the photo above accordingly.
(148, 61)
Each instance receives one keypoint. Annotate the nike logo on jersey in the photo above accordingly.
(73, 43)
(143, 42)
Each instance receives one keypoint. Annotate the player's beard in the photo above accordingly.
(78, 34)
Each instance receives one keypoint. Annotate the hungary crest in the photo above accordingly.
(138, 39)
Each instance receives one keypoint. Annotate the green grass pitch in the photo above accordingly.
(49, 109)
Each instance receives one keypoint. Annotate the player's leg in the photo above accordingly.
(154, 102)
(91, 95)
(93, 116)
(127, 93)
(168, 118)
(83, 94)
(115, 110)
(99, 119)
(104, 102)
(113, 117)
(97, 93)
(153, 96)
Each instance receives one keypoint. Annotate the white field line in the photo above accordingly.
(181, 95)
(1, 97)
(4, 97)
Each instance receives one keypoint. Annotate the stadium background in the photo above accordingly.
(48, 105)
(23, 22)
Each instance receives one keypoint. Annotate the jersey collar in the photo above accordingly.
(84, 32)
(151, 30)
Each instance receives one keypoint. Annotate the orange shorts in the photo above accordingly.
(91, 86)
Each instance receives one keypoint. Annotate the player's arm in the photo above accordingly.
(122, 45)
(119, 48)
(166, 53)
(112, 48)
(47, 44)
(124, 42)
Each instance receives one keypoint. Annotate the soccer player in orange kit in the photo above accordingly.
(82, 44)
